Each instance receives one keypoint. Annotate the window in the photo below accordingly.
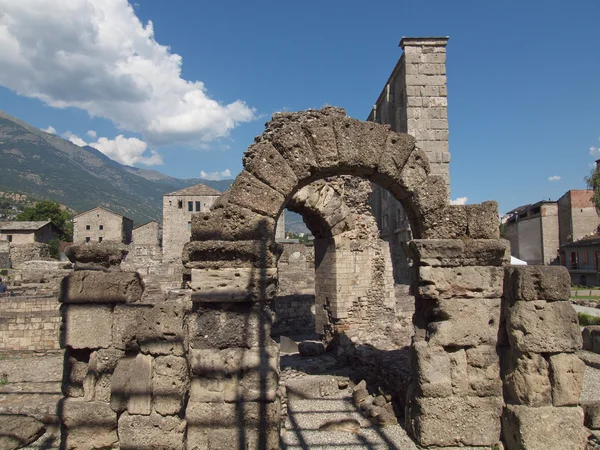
(180, 204)
(190, 206)
(584, 257)
(574, 264)
(100, 239)
(101, 227)
(9, 237)
(87, 239)
(197, 206)
(189, 226)
(87, 227)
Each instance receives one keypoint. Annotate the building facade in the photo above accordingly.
(581, 259)
(414, 101)
(100, 224)
(18, 233)
(147, 234)
(178, 208)
(577, 215)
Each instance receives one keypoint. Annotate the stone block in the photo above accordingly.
(460, 252)
(229, 325)
(235, 223)
(460, 282)
(398, 148)
(322, 138)
(155, 329)
(592, 414)
(170, 383)
(213, 363)
(482, 220)
(131, 387)
(151, 432)
(591, 338)
(89, 286)
(566, 375)
(526, 379)
(86, 425)
(87, 326)
(74, 376)
(291, 143)
(18, 431)
(249, 192)
(232, 415)
(97, 256)
(464, 322)
(458, 421)
(543, 327)
(234, 285)
(433, 369)
(264, 162)
(483, 371)
(543, 428)
(550, 283)
(231, 438)
(360, 144)
(230, 254)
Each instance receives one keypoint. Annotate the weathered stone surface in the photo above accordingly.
(446, 223)
(235, 223)
(462, 282)
(433, 370)
(74, 375)
(231, 415)
(97, 256)
(17, 431)
(483, 371)
(233, 285)
(234, 438)
(550, 283)
(249, 192)
(229, 325)
(90, 425)
(544, 428)
(527, 380)
(591, 338)
(131, 387)
(323, 141)
(456, 421)
(460, 252)
(311, 348)
(230, 254)
(155, 329)
(464, 322)
(291, 142)
(151, 432)
(212, 363)
(398, 148)
(360, 144)
(98, 378)
(87, 326)
(543, 327)
(86, 286)
(566, 374)
(265, 163)
(170, 382)
(592, 414)
(482, 220)
(415, 171)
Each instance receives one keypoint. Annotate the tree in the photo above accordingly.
(49, 210)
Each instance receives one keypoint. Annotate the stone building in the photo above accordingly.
(538, 232)
(581, 259)
(533, 232)
(414, 101)
(18, 233)
(178, 208)
(147, 234)
(100, 224)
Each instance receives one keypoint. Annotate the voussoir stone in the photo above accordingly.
(97, 256)
(249, 192)
(460, 282)
(88, 286)
(360, 144)
(543, 327)
(543, 428)
(265, 163)
(550, 283)
(321, 136)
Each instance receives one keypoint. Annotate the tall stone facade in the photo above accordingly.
(101, 224)
(413, 101)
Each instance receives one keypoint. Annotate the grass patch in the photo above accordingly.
(588, 319)
(586, 297)
(3, 379)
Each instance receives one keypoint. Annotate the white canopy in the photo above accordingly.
(517, 262)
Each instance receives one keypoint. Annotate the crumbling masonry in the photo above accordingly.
(493, 344)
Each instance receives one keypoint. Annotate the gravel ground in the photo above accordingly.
(591, 385)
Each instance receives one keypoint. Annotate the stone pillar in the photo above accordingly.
(541, 373)
(234, 363)
(456, 396)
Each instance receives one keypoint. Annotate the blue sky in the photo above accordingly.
(523, 90)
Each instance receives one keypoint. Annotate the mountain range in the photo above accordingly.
(45, 166)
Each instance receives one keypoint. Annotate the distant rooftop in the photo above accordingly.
(16, 225)
(198, 189)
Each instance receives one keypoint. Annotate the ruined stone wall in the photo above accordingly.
(294, 304)
(4, 254)
(20, 254)
(29, 324)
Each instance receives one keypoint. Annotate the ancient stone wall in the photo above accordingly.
(4, 254)
(147, 234)
(20, 254)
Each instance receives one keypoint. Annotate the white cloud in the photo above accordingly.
(50, 129)
(595, 152)
(554, 178)
(127, 151)
(74, 139)
(459, 201)
(96, 55)
(215, 175)
(91, 133)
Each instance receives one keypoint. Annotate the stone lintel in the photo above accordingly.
(440, 41)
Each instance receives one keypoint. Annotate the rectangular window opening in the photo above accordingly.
(197, 206)
(101, 227)
(87, 239)
(190, 206)
(9, 237)
(100, 239)
(87, 227)
(180, 204)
